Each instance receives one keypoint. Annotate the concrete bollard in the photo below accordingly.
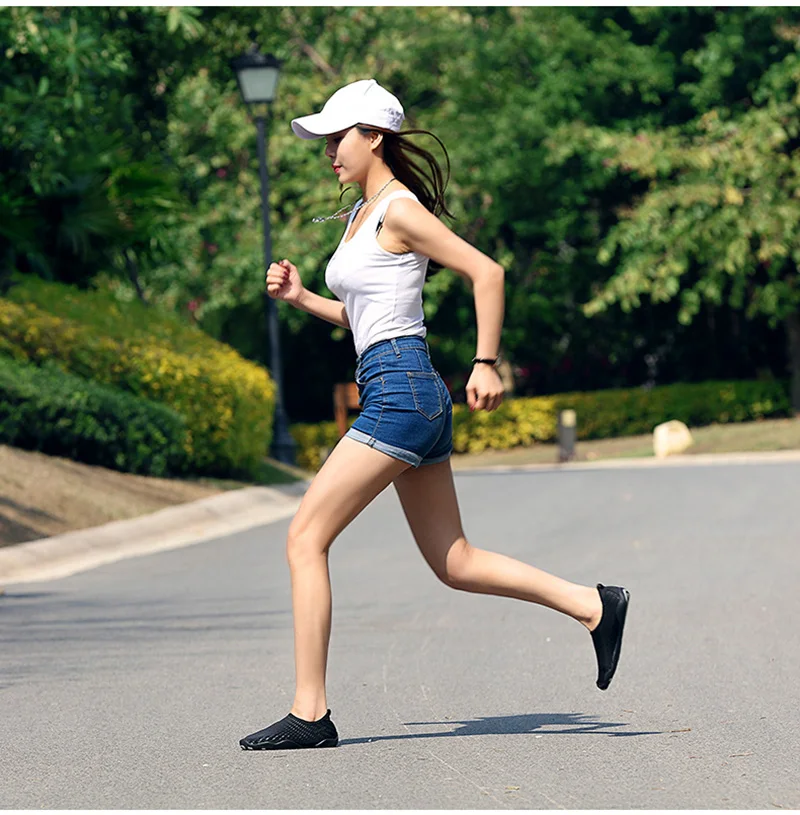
(567, 430)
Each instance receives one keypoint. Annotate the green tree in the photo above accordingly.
(83, 188)
(127, 160)
(719, 219)
(516, 75)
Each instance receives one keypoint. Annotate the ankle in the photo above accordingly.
(309, 712)
(590, 610)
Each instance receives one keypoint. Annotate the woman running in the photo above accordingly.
(403, 435)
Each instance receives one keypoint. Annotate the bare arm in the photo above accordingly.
(323, 307)
(489, 292)
(423, 232)
(283, 283)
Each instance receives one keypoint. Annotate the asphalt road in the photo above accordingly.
(128, 686)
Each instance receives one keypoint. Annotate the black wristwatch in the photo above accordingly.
(485, 360)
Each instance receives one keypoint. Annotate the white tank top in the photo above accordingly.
(381, 291)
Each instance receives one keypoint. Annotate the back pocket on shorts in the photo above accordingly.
(427, 396)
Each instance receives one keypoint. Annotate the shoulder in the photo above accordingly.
(405, 215)
(414, 228)
(421, 231)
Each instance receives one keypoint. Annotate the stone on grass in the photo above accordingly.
(671, 438)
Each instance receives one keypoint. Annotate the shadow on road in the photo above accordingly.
(547, 723)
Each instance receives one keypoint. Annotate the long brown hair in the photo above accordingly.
(428, 184)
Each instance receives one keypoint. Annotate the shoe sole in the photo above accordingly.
(622, 613)
(291, 745)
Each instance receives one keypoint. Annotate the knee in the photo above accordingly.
(456, 572)
(303, 546)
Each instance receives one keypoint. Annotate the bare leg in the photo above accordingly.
(350, 479)
(441, 540)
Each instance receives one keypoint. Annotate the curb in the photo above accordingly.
(697, 460)
(239, 510)
(169, 528)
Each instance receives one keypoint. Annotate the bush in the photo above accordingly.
(61, 414)
(611, 413)
(600, 415)
(313, 439)
(227, 401)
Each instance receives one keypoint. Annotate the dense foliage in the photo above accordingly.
(226, 401)
(61, 414)
(632, 168)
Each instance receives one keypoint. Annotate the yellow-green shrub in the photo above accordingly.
(227, 401)
(61, 414)
(620, 412)
(312, 440)
(600, 414)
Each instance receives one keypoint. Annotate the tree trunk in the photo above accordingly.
(793, 336)
(133, 274)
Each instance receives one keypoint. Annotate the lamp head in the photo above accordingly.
(257, 75)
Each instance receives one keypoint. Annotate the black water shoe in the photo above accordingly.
(607, 636)
(291, 733)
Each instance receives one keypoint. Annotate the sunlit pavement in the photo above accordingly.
(128, 686)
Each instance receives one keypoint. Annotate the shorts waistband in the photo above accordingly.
(395, 344)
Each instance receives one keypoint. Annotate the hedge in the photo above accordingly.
(622, 412)
(61, 414)
(227, 401)
(600, 414)
(313, 440)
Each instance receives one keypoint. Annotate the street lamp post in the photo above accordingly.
(257, 75)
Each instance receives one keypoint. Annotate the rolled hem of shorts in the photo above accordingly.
(390, 450)
(438, 459)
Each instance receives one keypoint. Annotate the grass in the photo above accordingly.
(271, 473)
(44, 495)
(747, 437)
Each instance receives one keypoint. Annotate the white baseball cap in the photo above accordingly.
(362, 102)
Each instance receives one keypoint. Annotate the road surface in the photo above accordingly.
(128, 686)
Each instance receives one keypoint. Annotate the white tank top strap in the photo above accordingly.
(353, 214)
(379, 211)
(384, 205)
(350, 219)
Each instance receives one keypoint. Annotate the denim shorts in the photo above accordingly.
(406, 410)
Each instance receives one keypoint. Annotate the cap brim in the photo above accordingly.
(318, 125)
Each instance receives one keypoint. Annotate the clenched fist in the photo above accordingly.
(485, 389)
(283, 282)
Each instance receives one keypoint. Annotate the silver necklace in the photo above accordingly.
(340, 214)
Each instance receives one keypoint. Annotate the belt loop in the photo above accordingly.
(396, 348)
